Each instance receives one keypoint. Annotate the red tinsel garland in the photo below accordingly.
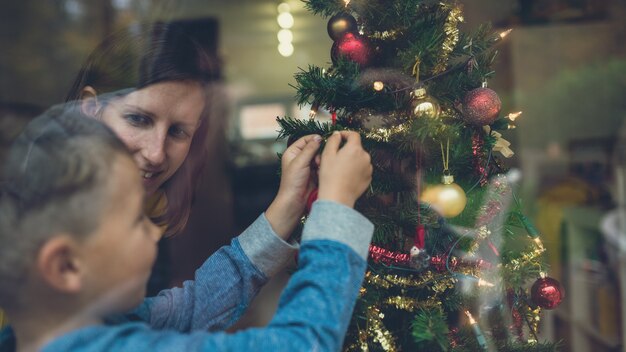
(387, 257)
(479, 156)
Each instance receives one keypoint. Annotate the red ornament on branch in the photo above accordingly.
(353, 47)
(481, 106)
(547, 293)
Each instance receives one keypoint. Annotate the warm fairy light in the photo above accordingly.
(480, 338)
(470, 317)
(284, 36)
(378, 86)
(505, 33)
(285, 49)
(312, 113)
(285, 20)
(511, 127)
(539, 244)
(514, 115)
(346, 2)
(283, 7)
(483, 283)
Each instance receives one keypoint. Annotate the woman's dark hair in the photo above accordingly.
(143, 55)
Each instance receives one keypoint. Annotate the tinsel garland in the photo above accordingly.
(478, 153)
(387, 257)
(516, 327)
(442, 280)
(378, 331)
(535, 317)
(498, 195)
(438, 262)
(383, 135)
(453, 337)
(455, 16)
(528, 258)
(410, 304)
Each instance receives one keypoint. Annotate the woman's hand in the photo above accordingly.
(296, 183)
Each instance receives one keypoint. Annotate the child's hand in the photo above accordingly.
(295, 184)
(344, 172)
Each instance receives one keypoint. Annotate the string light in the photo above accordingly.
(284, 7)
(480, 338)
(514, 115)
(540, 246)
(313, 111)
(285, 49)
(378, 86)
(505, 33)
(285, 36)
(484, 283)
(285, 20)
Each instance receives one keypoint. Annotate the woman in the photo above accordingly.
(155, 87)
(150, 84)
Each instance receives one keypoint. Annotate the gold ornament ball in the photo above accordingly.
(424, 105)
(448, 199)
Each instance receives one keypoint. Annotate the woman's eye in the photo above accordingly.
(177, 132)
(137, 120)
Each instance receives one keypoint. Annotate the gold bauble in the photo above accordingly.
(448, 198)
(423, 104)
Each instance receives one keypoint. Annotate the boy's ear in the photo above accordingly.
(89, 103)
(59, 265)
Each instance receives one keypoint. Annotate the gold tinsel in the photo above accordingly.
(483, 232)
(385, 134)
(378, 331)
(386, 35)
(363, 341)
(455, 16)
(535, 318)
(530, 257)
(444, 284)
(438, 282)
(410, 304)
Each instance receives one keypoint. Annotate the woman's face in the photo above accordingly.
(157, 124)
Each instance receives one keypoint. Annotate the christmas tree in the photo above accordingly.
(454, 265)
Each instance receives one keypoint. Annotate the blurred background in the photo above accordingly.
(564, 66)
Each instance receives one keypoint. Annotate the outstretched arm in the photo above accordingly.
(314, 310)
(223, 286)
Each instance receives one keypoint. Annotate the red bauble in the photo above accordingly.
(481, 106)
(353, 47)
(309, 202)
(547, 293)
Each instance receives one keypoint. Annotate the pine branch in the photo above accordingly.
(430, 325)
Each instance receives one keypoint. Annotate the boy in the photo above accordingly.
(76, 247)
